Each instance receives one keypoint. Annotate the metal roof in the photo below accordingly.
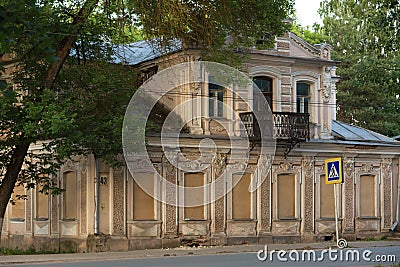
(344, 131)
(142, 51)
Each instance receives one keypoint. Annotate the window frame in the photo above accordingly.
(216, 107)
(297, 195)
(269, 96)
(205, 200)
(376, 197)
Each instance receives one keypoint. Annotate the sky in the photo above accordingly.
(306, 11)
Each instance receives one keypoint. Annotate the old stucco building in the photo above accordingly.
(292, 204)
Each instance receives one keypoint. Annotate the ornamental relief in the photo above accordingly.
(141, 164)
(386, 165)
(265, 162)
(348, 164)
(308, 164)
(70, 165)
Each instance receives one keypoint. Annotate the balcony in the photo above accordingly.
(294, 127)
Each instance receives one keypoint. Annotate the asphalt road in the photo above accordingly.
(330, 258)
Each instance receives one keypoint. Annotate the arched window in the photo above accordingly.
(70, 196)
(265, 85)
(303, 97)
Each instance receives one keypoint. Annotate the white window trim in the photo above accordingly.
(276, 76)
(313, 79)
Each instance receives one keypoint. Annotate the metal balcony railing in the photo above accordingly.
(287, 125)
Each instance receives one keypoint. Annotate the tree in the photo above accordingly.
(366, 39)
(313, 36)
(57, 73)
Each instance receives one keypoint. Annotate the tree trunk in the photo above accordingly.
(21, 150)
(10, 178)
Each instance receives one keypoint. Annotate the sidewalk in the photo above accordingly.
(181, 251)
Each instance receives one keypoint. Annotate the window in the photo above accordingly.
(18, 210)
(286, 196)
(145, 75)
(303, 98)
(265, 86)
(217, 97)
(241, 196)
(193, 196)
(70, 196)
(326, 196)
(143, 204)
(367, 196)
(42, 204)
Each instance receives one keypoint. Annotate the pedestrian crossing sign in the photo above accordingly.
(333, 171)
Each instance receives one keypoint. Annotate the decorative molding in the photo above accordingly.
(264, 165)
(83, 164)
(367, 167)
(308, 164)
(348, 195)
(348, 166)
(238, 166)
(219, 163)
(286, 166)
(308, 167)
(386, 166)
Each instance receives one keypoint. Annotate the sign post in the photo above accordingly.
(334, 175)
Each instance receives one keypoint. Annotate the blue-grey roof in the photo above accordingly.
(344, 131)
(142, 51)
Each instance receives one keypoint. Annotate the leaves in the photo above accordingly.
(366, 40)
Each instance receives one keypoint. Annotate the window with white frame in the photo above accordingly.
(217, 98)
(265, 84)
(303, 97)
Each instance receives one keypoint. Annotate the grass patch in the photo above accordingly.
(29, 251)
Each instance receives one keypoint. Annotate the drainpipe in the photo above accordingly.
(396, 223)
(96, 197)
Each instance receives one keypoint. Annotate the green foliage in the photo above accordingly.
(366, 40)
(312, 36)
(216, 27)
(78, 108)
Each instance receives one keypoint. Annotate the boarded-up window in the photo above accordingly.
(42, 204)
(194, 196)
(18, 210)
(241, 196)
(327, 202)
(286, 196)
(367, 196)
(143, 204)
(70, 196)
